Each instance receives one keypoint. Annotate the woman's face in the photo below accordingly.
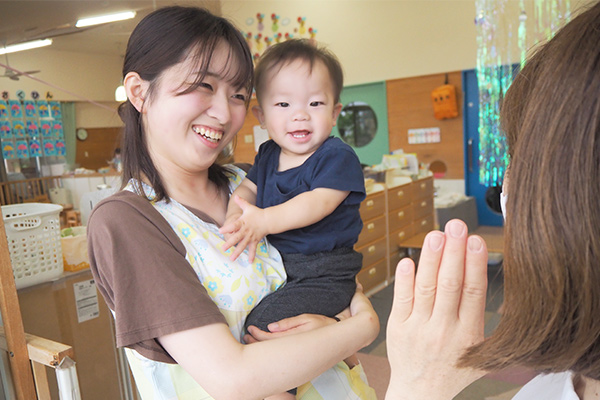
(188, 131)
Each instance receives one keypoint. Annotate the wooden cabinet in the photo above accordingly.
(373, 205)
(372, 230)
(401, 215)
(372, 241)
(423, 205)
(374, 276)
(391, 215)
(399, 196)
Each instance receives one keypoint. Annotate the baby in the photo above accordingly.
(305, 187)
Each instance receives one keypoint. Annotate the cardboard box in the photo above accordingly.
(69, 310)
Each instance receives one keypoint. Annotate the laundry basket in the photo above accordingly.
(33, 233)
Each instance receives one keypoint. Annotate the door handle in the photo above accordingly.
(470, 154)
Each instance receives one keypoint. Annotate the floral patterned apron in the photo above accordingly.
(236, 287)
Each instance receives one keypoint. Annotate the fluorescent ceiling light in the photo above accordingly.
(103, 19)
(25, 46)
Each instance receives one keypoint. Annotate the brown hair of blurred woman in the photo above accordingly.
(551, 116)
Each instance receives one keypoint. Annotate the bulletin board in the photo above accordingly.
(30, 127)
(409, 106)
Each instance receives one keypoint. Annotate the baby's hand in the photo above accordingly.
(231, 225)
(245, 231)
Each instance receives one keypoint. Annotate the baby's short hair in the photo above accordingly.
(291, 50)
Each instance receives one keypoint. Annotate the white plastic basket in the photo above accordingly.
(33, 233)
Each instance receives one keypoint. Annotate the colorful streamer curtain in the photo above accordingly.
(496, 22)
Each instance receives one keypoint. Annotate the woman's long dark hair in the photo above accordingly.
(162, 39)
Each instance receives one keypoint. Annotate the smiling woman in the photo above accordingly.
(187, 124)
(155, 249)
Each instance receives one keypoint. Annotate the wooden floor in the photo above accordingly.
(493, 236)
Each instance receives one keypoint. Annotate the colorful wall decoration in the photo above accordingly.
(30, 127)
(263, 31)
(495, 35)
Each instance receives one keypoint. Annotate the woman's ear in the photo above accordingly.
(260, 115)
(136, 89)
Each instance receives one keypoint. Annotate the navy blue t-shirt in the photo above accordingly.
(334, 165)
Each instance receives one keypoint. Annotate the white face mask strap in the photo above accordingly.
(503, 204)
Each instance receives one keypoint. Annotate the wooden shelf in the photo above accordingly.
(390, 216)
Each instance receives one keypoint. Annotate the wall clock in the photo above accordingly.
(82, 134)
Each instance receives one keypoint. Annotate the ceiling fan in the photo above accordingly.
(14, 75)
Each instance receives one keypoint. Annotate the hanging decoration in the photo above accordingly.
(261, 33)
(493, 78)
(494, 25)
(444, 101)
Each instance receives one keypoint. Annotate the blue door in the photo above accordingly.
(487, 199)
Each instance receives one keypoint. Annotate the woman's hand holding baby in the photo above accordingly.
(437, 316)
(360, 307)
(288, 326)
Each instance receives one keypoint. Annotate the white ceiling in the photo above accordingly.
(27, 20)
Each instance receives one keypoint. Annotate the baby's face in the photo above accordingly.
(298, 108)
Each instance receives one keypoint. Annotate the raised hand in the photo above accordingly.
(437, 316)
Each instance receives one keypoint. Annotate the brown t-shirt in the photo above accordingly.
(140, 268)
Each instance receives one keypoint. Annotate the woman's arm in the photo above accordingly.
(437, 316)
(230, 370)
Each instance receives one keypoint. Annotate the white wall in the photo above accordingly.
(87, 75)
(82, 77)
(92, 116)
(378, 40)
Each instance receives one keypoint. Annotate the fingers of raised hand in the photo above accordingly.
(426, 280)
(472, 304)
(451, 270)
(404, 288)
